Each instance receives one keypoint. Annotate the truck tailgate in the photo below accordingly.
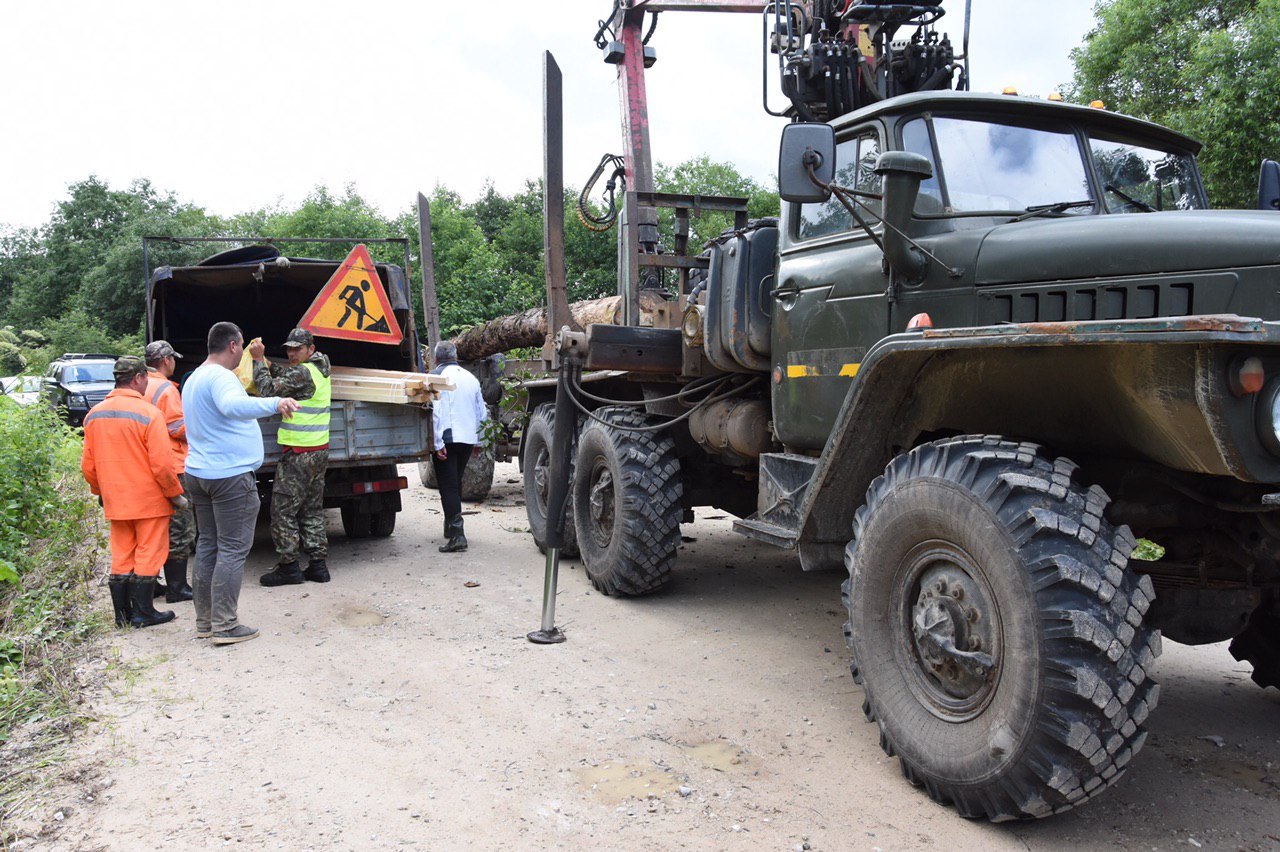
(363, 432)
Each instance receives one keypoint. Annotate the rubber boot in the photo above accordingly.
(175, 578)
(317, 571)
(286, 574)
(144, 611)
(456, 541)
(160, 589)
(119, 586)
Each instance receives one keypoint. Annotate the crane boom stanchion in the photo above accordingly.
(566, 422)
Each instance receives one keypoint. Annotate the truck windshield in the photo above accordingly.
(990, 166)
(1140, 179)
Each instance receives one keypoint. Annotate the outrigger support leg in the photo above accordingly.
(566, 422)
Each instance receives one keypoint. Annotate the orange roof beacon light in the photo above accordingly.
(1097, 104)
(1010, 90)
(1055, 96)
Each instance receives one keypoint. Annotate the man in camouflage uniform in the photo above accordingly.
(297, 498)
(163, 394)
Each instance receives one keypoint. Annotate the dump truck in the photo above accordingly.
(267, 293)
(990, 342)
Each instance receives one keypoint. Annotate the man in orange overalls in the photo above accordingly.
(128, 462)
(163, 394)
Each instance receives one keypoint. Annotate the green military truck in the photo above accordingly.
(1011, 340)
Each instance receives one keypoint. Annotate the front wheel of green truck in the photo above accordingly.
(996, 630)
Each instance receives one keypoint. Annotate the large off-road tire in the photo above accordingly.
(537, 480)
(626, 503)
(995, 629)
(477, 479)
(1259, 645)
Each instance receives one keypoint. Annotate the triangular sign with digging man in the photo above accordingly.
(353, 305)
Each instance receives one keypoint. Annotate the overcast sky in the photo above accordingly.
(238, 105)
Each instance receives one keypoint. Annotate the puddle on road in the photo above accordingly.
(720, 755)
(616, 782)
(359, 617)
(1263, 781)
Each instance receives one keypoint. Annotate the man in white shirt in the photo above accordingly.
(458, 415)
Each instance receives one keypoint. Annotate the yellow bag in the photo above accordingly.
(244, 372)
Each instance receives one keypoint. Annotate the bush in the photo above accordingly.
(49, 540)
(11, 359)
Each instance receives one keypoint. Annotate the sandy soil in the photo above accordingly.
(401, 706)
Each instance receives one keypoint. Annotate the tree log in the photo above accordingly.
(530, 328)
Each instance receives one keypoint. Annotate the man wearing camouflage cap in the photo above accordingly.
(297, 497)
(161, 392)
(128, 462)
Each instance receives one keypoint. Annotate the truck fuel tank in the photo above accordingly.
(739, 426)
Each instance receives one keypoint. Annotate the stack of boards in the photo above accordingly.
(387, 386)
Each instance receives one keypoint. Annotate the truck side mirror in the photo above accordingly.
(805, 145)
(1269, 186)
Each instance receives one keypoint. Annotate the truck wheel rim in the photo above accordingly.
(541, 468)
(601, 503)
(951, 629)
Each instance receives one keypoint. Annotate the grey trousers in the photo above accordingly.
(226, 512)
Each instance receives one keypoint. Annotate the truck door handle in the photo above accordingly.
(786, 293)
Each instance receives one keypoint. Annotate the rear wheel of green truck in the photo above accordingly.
(537, 481)
(995, 629)
(626, 502)
(1259, 645)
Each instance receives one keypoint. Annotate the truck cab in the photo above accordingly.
(1024, 198)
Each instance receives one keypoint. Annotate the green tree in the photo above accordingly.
(1207, 69)
(704, 176)
(325, 215)
(89, 256)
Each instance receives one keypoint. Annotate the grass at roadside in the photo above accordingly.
(50, 535)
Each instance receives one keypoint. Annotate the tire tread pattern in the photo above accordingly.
(544, 418)
(648, 509)
(1098, 655)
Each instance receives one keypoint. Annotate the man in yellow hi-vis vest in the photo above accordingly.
(297, 498)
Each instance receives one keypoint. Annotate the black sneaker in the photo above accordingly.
(287, 574)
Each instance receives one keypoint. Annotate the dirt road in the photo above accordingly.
(401, 706)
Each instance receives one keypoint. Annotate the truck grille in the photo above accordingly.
(1091, 302)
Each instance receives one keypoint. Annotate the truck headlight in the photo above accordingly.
(691, 325)
(77, 400)
(1267, 416)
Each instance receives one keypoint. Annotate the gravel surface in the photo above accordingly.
(401, 706)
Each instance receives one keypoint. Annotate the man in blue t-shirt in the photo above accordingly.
(225, 446)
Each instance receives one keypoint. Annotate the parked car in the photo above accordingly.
(23, 390)
(77, 381)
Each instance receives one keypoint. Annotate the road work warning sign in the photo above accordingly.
(354, 304)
